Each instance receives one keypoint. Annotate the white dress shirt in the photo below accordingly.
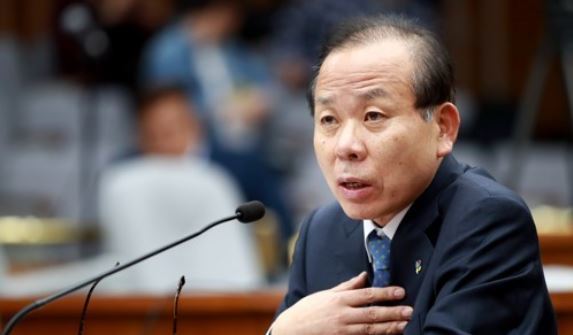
(388, 230)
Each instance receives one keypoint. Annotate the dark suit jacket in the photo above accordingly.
(477, 250)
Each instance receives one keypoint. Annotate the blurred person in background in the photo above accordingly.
(166, 192)
(170, 190)
(231, 86)
(168, 125)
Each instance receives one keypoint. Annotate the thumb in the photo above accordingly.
(353, 283)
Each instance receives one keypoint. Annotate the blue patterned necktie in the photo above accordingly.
(379, 248)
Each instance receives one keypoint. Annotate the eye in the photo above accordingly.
(327, 120)
(373, 116)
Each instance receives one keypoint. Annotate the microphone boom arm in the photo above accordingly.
(41, 302)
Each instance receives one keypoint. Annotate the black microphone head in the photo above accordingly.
(250, 211)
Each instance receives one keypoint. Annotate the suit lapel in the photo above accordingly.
(413, 243)
(411, 253)
(351, 256)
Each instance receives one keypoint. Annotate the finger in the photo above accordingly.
(371, 295)
(377, 314)
(353, 283)
(395, 327)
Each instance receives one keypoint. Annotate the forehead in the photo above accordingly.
(166, 109)
(385, 65)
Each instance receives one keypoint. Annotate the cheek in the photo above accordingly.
(316, 144)
(323, 154)
(396, 158)
(320, 146)
(390, 150)
(408, 157)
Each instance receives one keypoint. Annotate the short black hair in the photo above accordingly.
(183, 6)
(150, 97)
(433, 77)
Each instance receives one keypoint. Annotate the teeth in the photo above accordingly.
(353, 185)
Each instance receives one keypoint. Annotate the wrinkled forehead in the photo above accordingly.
(374, 69)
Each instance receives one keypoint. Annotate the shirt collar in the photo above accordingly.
(388, 230)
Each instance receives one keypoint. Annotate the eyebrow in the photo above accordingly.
(374, 93)
(371, 94)
(324, 100)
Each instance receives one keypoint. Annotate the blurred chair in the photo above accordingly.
(557, 42)
(51, 140)
(545, 175)
(9, 89)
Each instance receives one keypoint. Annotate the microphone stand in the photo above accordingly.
(41, 302)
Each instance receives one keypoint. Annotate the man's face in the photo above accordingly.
(167, 128)
(375, 150)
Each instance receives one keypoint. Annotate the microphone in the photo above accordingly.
(245, 213)
(250, 211)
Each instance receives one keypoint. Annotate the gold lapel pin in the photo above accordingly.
(418, 266)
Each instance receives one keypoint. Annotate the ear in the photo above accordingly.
(447, 118)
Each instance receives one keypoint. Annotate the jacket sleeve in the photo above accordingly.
(490, 279)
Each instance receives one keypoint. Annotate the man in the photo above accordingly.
(169, 125)
(457, 252)
(172, 189)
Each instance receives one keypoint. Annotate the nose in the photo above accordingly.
(349, 144)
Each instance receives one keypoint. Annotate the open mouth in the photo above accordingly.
(353, 185)
(354, 189)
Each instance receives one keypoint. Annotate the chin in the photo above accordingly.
(357, 211)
